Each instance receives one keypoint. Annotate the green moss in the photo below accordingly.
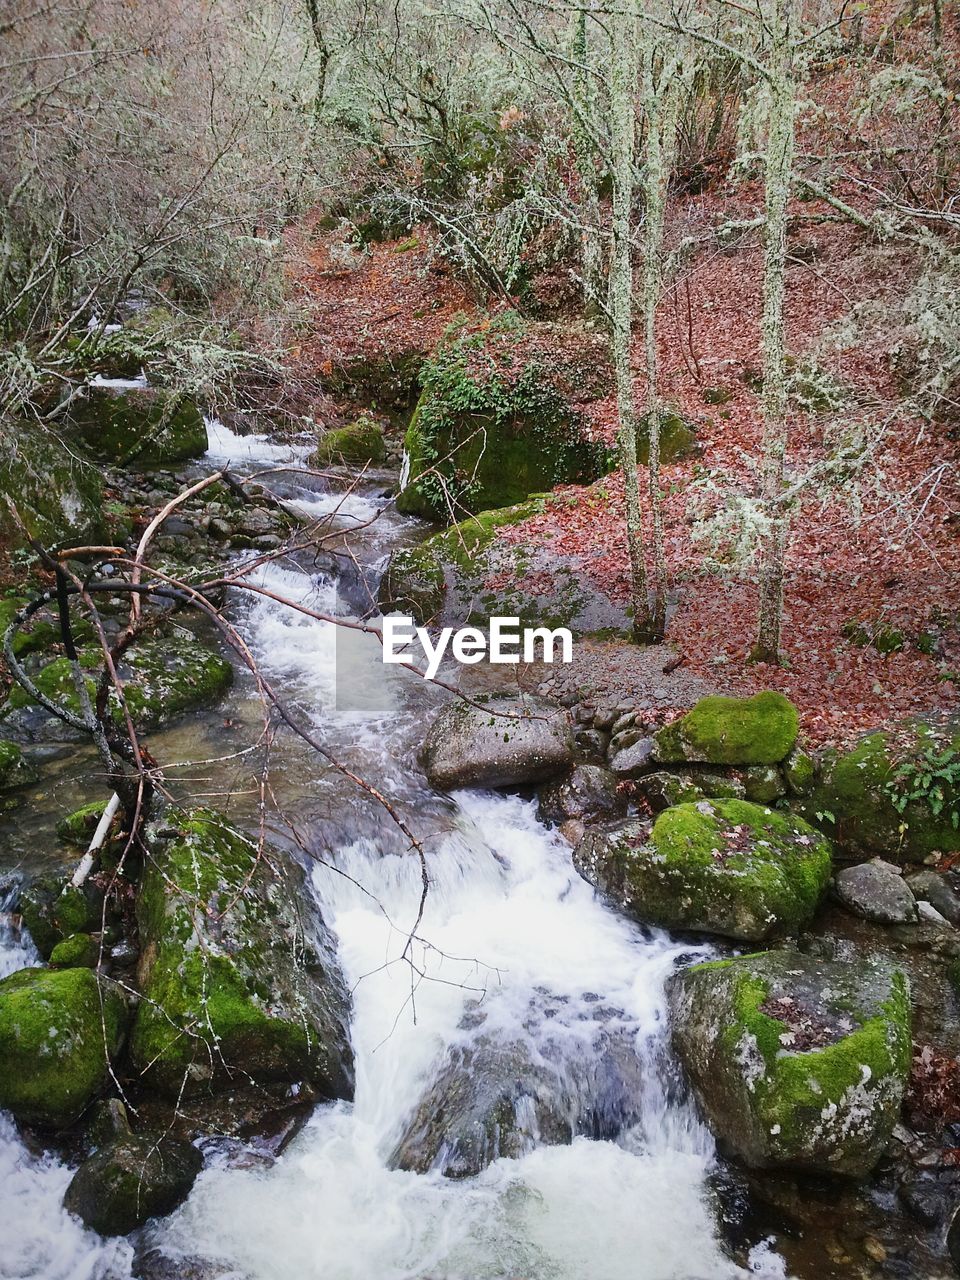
(52, 909)
(853, 798)
(677, 439)
(485, 441)
(140, 427)
(796, 1088)
(53, 1053)
(162, 678)
(732, 731)
(799, 772)
(225, 976)
(78, 827)
(15, 771)
(415, 581)
(763, 784)
(726, 867)
(79, 951)
(354, 445)
(797, 1061)
(58, 495)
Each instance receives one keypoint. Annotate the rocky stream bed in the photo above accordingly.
(656, 1020)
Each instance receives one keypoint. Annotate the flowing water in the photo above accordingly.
(510, 933)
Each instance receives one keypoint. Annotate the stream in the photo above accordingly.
(511, 934)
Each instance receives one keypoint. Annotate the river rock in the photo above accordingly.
(935, 888)
(132, 1179)
(731, 731)
(59, 1029)
(52, 909)
(57, 493)
(238, 972)
(585, 793)
(162, 679)
(631, 761)
(865, 791)
(506, 742)
(724, 866)
(664, 789)
(139, 426)
(492, 1100)
(797, 1062)
(15, 770)
(356, 444)
(876, 891)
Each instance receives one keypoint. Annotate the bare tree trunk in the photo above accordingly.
(661, 105)
(623, 86)
(779, 168)
(583, 117)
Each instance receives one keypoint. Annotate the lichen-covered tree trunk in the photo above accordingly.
(779, 168)
(661, 100)
(583, 118)
(623, 89)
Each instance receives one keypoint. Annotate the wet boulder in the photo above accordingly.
(58, 495)
(589, 791)
(493, 1100)
(505, 742)
(239, 974)
(131, 1179)
(731, 731)
(15, 770)
(723, 866)
(797, 1062)
(59, 1031)
(876, 891)
(894, 793)
(162, 679)
(139, 426)
(52, 909)
(356, 444)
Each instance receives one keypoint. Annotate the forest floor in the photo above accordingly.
(875, 545)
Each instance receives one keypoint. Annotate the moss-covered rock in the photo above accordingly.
(797, 1062)
(724, 866)
(731, 731)
(386, 380)
(467, 575)
(59, 1029)
(763, 784)
(15, 769)
(799, 772)
(162, 678)
(139, 426)
(357, 443)
(79, 951)
(482, 438)
(238, 972)
(52, 909)
(77, 828)
(57, 494)
(894, 793)
(134, 1178)
(663, 789)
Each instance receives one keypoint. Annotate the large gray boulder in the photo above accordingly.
(797, 1062)
(505, 742)
(716, 866)
(876, 891)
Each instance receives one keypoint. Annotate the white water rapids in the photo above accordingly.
(509, 922)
